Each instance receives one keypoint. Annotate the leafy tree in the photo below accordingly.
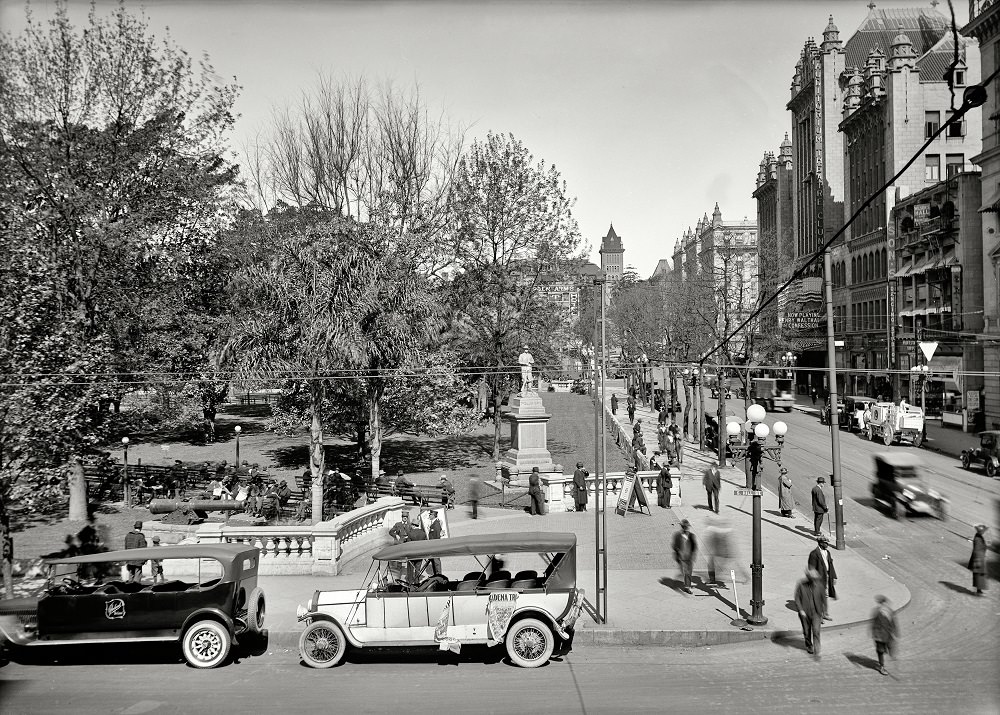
(512, 223)
(111, 145)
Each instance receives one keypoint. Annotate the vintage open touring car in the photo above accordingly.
(209, 599)
(521, 592)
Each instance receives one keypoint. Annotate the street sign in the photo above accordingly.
(748, 492)
(928, 350)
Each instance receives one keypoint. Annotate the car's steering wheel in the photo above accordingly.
(72, 584)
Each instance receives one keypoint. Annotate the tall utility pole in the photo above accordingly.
(600, 454)
(723, 435)
(831, 355)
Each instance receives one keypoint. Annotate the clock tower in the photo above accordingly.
(611, 255)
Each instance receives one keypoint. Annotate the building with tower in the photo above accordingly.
(775, 239)
(717, 262)
(831, 170)
(612, 255)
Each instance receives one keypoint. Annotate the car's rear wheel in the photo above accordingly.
(918, 439)
(530, 643)
(322, 644)
(887, 437)
(256, 607)
(966, 464)
(206, 644)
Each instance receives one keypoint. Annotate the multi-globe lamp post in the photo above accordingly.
(788, 361)
(698, 431)
(755, 429)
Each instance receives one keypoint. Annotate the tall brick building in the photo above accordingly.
(896, 102)
(984, 25)
(858, 112)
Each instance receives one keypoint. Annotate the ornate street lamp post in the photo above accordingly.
(238, 429)
(760, 432)
(788, 361)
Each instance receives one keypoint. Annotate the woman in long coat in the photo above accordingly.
(785, 501)
(977, 562)
(580, 487)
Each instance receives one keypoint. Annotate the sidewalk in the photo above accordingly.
(946, 440)
(646, 605)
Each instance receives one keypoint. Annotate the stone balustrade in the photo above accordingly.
(316, 549)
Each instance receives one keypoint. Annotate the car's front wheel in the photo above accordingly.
(322, 644)
(206, 644)
(530, 643)
(965, 461)
(991, 468)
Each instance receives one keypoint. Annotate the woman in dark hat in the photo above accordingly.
(580, 487)
(786, 504)
(977, 562)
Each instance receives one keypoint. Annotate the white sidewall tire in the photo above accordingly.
(206, 644)
(307, 644)
(524, 639)
(256, 609)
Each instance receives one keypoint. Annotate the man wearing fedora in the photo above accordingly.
(447, 492)
(819, 505)
(580, 487)
(821, 561)
(809, 602)
(685, 549)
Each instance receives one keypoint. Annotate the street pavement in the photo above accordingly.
(646, 602)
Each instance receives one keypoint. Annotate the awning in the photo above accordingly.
(992, 203)
(929, 265)
(904, 271)
(950, 259)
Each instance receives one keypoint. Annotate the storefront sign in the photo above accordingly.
(972, 400)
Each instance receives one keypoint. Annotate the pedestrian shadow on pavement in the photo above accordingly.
(789, 639)
(863, 661)
(798, 530)
(957, 589)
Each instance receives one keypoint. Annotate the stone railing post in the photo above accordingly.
(556, 487)
(210, 533)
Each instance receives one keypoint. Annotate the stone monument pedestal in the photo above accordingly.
(528, 437)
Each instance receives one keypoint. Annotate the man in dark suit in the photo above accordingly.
(821, 561)
(809, 602)
(685, 548)
(818, 505)
(712, 481)
(580, 487)
(135, 539)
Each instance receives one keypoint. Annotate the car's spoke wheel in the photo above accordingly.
(256, 608)
(530, 643)
(918, 439)
(206, 644)
(991, 469)
(965, 461)
(887, 437)
(322, 644)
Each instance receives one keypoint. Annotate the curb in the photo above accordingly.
(600, 636)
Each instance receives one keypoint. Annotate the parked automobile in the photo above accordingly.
(406, 603)
(87, 600)
(890, 423)
(899, 486)
(729, 393)
(854, 409)
(987, 453)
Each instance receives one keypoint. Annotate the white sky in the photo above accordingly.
(652, 111)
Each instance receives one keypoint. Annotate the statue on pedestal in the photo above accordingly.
(525, 361)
